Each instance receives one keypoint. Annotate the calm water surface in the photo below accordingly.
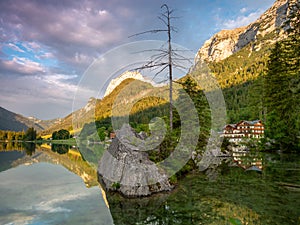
(60, 187)
(39, 189)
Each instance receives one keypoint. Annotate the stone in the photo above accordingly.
(128, 170)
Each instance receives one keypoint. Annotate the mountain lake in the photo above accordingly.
(57, 185)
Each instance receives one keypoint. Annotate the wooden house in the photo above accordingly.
(244, 129)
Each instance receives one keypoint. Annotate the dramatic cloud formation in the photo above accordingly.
(45, 46)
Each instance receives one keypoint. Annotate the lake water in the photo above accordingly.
(41, 189)
(44, 186)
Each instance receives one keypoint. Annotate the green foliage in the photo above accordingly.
(116, 185)
(282, 88)
(241, 67)
(173, 179)
(240, 77)
(201, 105)
(282, 94)
(61, 135)
(102, 133)
(166, 147)
(11, 135)
(129, 88)
(172, 138)
(30, 134)
(29, 147)
(235, 221)
(60, 148)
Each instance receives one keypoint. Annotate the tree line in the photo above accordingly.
(29, 135)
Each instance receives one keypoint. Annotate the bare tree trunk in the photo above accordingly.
(166, 18)
(170, 70)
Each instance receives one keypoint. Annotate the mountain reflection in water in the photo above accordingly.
(45, 191)
(38, 187)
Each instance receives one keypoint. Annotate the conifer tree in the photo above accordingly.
(282, 89)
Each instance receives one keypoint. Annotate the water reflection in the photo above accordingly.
(29, 153)
(248, 160)
(44, 193)
(37, 186)
(91, 152)
(11, 145)
(60, 148)
(29, 147)
(235, 196)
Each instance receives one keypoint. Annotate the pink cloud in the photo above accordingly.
(22, 65)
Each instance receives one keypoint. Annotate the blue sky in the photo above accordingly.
(45, 46)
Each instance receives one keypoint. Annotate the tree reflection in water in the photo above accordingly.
(60, 148)
(29, 147)
(225, 193)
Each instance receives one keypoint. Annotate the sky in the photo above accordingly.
(46, 46)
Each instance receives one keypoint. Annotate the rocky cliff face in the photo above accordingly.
(270, 27)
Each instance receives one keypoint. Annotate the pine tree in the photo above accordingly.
(30, 134)
(282, 90)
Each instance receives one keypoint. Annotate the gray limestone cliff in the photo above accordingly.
(270, 27)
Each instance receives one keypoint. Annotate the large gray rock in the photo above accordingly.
(128, 170)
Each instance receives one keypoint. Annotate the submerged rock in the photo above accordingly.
(126, 168)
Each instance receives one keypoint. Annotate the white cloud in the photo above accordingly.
(102, 12)
(49, 96)
(31, 46)
(52, 205)
(241, 20)
(57, 86)
(15, 47)
(46, 55)
(243, 10)
(83, 59)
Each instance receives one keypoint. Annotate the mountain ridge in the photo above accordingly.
(270, 27)
(257, 39)
(126, 75)
(16, 122)
(97, 109)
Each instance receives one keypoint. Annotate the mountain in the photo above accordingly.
(126, 75)
(16, 122)
(270, 27)
(82, 116)
(236, 57)
(97, 109)
(239, 59)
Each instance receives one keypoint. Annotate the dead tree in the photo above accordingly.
(167, 58)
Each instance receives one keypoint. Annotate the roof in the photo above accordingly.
(229, 125)
(253, 122)
(234, 126)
